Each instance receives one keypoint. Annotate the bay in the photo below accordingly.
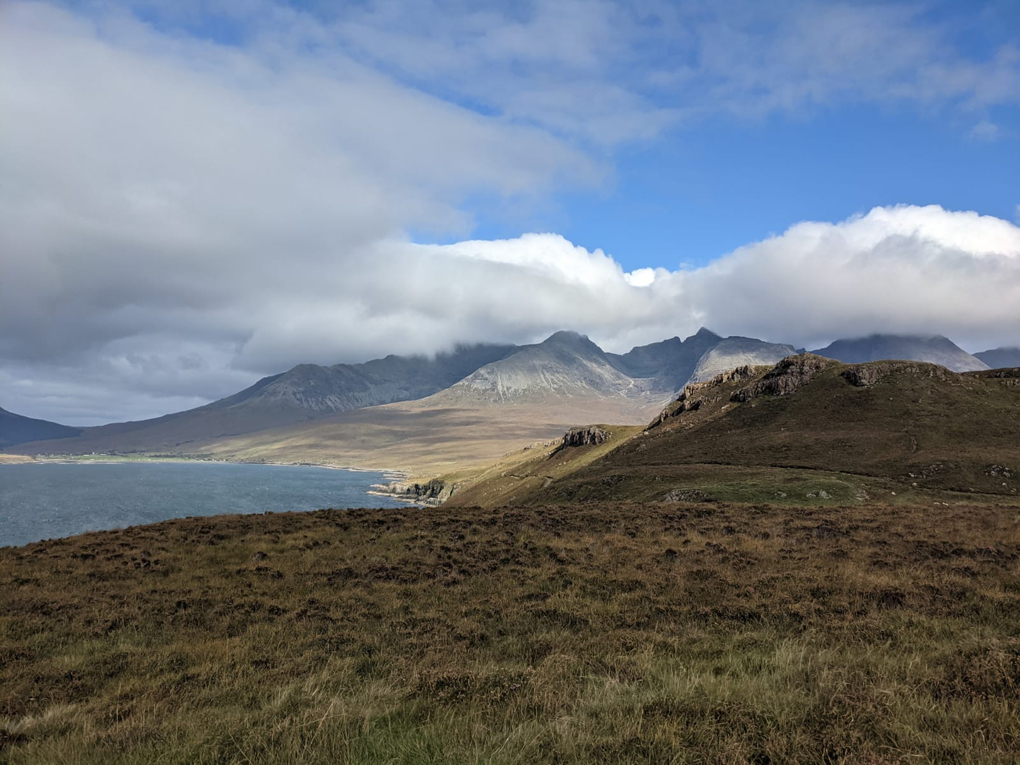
(50, 500)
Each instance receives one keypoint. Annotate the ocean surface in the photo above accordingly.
(49, 500)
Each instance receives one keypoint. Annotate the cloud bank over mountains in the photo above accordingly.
(179, 215)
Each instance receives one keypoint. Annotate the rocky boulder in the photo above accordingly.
(590, 435)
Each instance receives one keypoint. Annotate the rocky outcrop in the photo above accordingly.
(431, 493)
(589, 435)
(784, 378)
(690, 398)
(864, 375)
(1010, 373)
(592, 435)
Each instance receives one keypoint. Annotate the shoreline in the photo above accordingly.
(394, 477)
(99, 459)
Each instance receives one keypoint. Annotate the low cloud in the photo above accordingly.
(179, 217)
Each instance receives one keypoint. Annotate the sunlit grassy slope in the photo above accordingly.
(806, 431)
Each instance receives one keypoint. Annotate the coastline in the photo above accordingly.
(99, 459)
(395, 489)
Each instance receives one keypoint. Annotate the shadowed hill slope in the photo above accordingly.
(306, 392)
(999, 358)
(884, 426)
(18, 429)
(935, 349)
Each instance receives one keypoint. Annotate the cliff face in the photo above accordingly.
(429, 494)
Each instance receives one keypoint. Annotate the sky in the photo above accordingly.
(197, 194)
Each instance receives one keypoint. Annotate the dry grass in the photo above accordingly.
(687, 633)
(419, 439)
(14, 459)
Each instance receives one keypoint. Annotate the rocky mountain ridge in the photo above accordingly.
(566, 372)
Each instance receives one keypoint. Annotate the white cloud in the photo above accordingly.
(609, 72)
(177, 216)
(985, 131)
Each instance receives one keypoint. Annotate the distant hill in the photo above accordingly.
(1000, 358)
(738, 351)
(16, 429)
(934, 349)
(807, 429)
(306, 392)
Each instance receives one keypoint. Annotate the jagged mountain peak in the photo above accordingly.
(572, 341)
(704, 333)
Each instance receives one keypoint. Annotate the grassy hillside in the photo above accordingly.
(521, 473)
(807, 426)
(598, 633)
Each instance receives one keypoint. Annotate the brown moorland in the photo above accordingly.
(599, 632)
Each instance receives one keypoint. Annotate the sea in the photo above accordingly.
(47, 500)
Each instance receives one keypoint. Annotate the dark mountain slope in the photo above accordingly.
(998, 358)
(306, 392)
(935, 349)
(17, 429)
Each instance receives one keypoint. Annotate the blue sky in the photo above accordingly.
(697, 193)
(196, 194)
(707, 191)
(705, 183)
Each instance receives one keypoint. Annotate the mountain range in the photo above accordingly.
(400, 408)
